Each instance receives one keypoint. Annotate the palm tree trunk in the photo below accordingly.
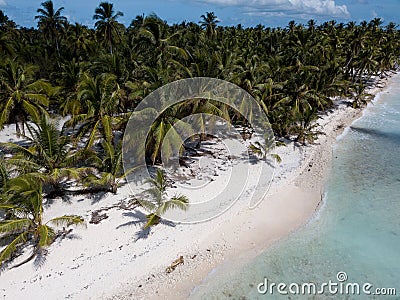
(109, 38)
(58, 48)
(17, 129)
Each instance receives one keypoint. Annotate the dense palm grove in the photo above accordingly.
(95, 77)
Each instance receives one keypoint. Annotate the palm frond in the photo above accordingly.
(148, 205)
(276, 157)
(26, 152)
(8, 251)
(14, 225)
(152, 219)
(178, 201)
(67, 220)
(46, 235)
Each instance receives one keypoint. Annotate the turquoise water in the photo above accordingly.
(357, 231)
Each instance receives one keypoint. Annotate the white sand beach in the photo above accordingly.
(116, 259)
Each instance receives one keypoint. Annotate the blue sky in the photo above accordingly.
(230, 12)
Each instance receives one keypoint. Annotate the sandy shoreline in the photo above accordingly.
(114, 260)
(298, 188)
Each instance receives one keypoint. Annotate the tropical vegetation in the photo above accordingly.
(95, 78)
(158, 202)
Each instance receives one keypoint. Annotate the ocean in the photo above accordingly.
(351, 248)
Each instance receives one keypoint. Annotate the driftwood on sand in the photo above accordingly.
(175, 263)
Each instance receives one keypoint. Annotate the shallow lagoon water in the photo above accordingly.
(357, 231)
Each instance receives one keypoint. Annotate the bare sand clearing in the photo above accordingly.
(115, 259)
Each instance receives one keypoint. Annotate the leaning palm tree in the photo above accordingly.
(166, 123)
(21, 97)
(51, 22)
(25, 224)
(50, 153)
(159, 204)
(107, 25)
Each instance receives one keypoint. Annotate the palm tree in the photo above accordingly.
(51, 22)
(23, 203)
(6, 43)
(154, 33)
(307, 128)
(107, 25)
(200, 107)
(209, 23)
(80, 41)
(6, 23)
(99, 98)
(159, 203)
(266, 93)
(7, 31)
(21, 97)
(137, 22)
(50, 153)
(70, 77)
(110, 166)
(263, 149)
(113, 64)
(167, 123)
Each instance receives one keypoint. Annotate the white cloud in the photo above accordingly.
(3, 3)
(306, 8)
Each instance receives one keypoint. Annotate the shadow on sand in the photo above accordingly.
(139, 219)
